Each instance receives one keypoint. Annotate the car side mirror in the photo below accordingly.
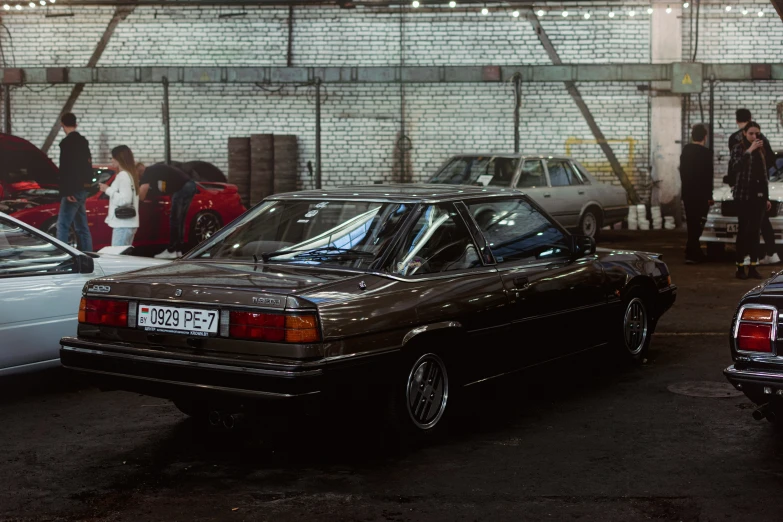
(583, 246)
(85, 264)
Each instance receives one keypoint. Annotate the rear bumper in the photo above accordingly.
(180, 376)
(716, 229)
(754, 382)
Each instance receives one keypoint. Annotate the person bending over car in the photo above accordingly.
(748, 168)
(75, 181)
(164, 180)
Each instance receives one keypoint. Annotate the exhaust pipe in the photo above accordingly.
(762, 412)
(214, 418)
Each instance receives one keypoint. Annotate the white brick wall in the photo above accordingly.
(736, 38)
(361, 123)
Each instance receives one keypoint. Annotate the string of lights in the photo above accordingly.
(611, 12)
(587, 14)
(31, 5)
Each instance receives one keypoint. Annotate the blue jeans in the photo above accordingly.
(180, 203)
(122, 236)
(75, 214)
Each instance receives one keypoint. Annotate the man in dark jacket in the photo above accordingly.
(696, 173)
(748, 167)
(743, 116)
(75, 180)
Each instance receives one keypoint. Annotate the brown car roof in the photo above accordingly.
(400, 192)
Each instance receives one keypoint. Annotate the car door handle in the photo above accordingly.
(547, 195)
(581, 192)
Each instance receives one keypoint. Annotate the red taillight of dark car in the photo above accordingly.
(756, 329)
(274, 327)
(103, 312)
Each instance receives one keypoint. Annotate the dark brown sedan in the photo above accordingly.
(414, 290)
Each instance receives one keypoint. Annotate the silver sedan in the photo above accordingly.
(41, 281)
(563, 187)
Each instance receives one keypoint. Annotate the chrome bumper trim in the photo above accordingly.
(733, 373)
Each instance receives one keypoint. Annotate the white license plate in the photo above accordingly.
(167, 319)
(732, 228)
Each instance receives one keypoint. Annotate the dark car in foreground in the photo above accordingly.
(411, 290)
(757, 350)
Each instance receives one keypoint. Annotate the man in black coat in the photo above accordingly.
(743, 116)
(75, 181)
(696, 175)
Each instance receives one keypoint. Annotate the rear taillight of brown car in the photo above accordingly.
(103, 312)
(756, 329)
(281, 328)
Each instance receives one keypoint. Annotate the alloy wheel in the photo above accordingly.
(635, 326)
(428, 391)
(206, 225)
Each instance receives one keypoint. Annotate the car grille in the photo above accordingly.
(729, 209)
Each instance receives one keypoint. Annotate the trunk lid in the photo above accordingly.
(224, 284)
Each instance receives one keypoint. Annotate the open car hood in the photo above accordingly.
(24, 163)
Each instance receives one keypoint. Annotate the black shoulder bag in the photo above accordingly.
(126, 211)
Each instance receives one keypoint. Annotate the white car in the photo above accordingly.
(721, 227)
(41, 281)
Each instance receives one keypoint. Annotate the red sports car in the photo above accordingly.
(28, 181)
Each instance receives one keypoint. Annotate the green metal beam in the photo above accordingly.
(410, 74)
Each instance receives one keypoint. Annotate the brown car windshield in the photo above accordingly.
(482, 171)
(344, 233)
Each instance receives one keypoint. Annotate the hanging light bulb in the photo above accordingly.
(452, 4)
(540, 12)
(32, 5)
(415, 4)
(761, 13)
(587, 16)
(485, 11)
(668, 9)
(42, 2)
(565, 14)
(632, 13)
(18, 7)
(611, 14)
(515, 14)
(649, 10)
(7, 7)
(728, 8)
(686, 5)
(744, 12)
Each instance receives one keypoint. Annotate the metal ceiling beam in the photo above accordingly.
(120, 14)
(409, 74)
(778, 4)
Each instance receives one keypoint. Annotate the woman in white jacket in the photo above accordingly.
(124, 195)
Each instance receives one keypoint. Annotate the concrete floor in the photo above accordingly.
(591, 439)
